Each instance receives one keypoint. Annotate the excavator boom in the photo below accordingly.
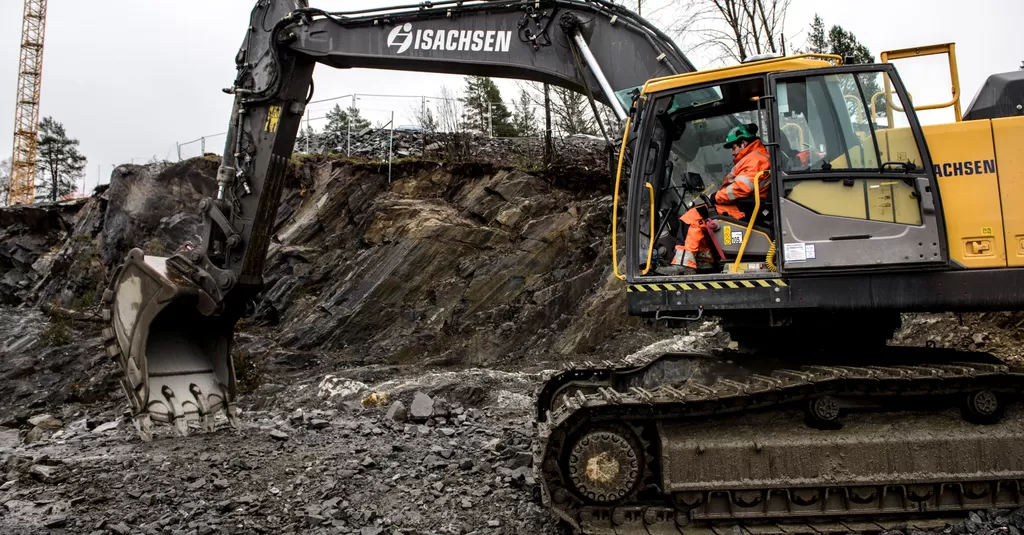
(172, 319)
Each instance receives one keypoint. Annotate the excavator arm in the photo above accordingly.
(172, 319)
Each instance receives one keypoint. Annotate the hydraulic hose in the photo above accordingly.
(769, 259)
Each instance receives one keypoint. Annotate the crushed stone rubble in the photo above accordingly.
(454, 469)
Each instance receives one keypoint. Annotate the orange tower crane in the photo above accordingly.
(26, 115)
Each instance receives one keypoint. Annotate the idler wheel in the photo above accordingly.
(984, 407)
(984, 403)
(823, 413)
(606, 465)
(825, 408)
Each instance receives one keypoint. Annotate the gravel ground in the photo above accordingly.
(444, 451)
(350, 469)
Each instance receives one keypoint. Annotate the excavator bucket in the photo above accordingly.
(176, 359)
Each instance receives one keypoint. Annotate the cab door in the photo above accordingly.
(856, 186)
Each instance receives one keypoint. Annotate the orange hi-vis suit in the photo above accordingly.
(738, 184)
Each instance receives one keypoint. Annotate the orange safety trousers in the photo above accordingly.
(738, 184)
(695, 243)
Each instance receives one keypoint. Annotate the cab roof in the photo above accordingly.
(788, 63)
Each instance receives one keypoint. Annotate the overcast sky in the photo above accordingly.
(130, 78)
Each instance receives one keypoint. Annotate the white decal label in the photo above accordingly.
(809, 251)
(401, 36)
(737, 237)
(404, 38)
(795, 252)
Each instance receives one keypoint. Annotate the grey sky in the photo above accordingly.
(129, 78)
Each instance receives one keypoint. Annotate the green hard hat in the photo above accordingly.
(740, 133)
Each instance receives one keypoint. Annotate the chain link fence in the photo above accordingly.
(427, 127)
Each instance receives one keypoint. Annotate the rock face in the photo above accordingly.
(154, 207)
(29, 239)
(440, 265)
(445, 264)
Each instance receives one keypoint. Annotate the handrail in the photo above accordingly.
(931, 50)
(799, 131)
(615, 202)
(650, 248)
(859, 104)
(750, 226)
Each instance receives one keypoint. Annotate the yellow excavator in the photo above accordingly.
(813, 423)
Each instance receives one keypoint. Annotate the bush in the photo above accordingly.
(156, 247)
(86, 300)
(58, 329)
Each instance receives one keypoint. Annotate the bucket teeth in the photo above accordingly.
(202, 406)
(144, 425)
(180, 425)
(233, 420)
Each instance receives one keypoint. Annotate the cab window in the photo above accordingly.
(839, 122)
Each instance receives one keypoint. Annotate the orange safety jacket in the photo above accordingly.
(739, 183)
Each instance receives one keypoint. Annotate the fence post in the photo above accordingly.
(202, 146)
(176, 144)
(348, 149)
(547, 125)
(391, 143)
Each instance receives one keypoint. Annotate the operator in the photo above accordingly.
(751, 158)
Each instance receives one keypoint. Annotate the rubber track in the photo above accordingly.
(641, 406)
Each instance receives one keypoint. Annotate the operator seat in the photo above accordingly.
(726, 234)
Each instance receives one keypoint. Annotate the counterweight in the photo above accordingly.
(26, 116)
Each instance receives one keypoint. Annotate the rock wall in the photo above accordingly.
(446, 264)
(62, 252)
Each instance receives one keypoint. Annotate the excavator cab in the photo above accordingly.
(686, 160)
(851, 194)
(848, 190)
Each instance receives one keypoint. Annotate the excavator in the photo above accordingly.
(811, 422)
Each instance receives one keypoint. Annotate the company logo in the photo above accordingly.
(401, 36)
(976, 167)
(404, 38)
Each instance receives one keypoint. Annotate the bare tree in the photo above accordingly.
(571, 111)
(423, 117)
(449, 111)
(734, 30)
(455, 141)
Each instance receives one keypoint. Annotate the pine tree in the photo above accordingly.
(817, 42)
(524, 117)
(338, 119)
(480, 97)
(306, 141)
(844, 43)
(60, 164)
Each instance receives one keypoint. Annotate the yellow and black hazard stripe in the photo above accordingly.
(714, 285)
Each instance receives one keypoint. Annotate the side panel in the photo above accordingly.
(1009, 134)
(964, 161)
